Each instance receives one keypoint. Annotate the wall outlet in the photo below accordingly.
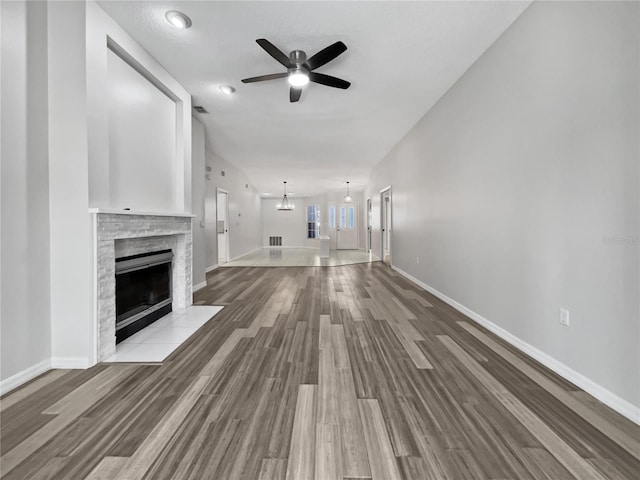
(564, 317)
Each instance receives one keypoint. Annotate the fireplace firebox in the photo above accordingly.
(143, 291)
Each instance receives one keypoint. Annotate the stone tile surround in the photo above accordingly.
(117, 234)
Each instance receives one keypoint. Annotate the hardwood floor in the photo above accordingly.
(318, 373)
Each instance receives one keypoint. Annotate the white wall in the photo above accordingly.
(55, 164)
(198, 196)
(25, 331)
(107, 174)
(80, 173)
(71, 265)
(245, 210)
(92, 175)
(291, 226)
(510, 187)
(142, 141)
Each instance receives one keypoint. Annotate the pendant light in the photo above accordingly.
(347, 197)
(285, 205)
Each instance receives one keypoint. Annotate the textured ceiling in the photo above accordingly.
(401, 58)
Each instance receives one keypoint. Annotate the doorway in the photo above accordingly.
(222, 225)
(386, 223)
(347, 227)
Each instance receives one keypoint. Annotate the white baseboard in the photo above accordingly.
(607, 397)
(199, 286)
(70, 362)
(211, 268)
(24, 376)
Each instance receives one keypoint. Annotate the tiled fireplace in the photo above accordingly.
(124, 233)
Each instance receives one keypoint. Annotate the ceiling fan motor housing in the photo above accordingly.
(298, 57)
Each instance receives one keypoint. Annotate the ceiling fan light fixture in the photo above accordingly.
(178, 19)
(298, 78)
(300, 70)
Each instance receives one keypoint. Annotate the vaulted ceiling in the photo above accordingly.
(401, 58)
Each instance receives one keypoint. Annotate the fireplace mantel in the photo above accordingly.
(119, 233)
(115, 211)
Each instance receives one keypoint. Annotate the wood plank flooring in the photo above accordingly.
(347, 372)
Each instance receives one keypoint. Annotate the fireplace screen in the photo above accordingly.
(143, 291)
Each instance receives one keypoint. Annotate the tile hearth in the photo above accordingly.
(157, 341)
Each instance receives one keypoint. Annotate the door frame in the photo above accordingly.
(369, 224)
(226, 237)
(386, 222)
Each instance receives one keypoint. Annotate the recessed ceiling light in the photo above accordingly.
(178, 19)
(227, 89)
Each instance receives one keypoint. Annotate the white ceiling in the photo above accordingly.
(401, 58)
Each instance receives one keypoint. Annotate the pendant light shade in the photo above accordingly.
(285, 205)
(347, 197)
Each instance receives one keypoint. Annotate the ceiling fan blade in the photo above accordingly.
(328, 80)
(264, 78)
(326, 55)
(294, 94)
(274, 51)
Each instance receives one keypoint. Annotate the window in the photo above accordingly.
(313, 221)
(332, 217)
(351, 218)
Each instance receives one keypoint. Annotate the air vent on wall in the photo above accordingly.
(275, 241)
(200, 109)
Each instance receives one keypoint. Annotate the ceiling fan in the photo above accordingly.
(300, 68)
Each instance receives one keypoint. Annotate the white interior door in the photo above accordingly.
(385, 222)
(347, 226)
(222, 226)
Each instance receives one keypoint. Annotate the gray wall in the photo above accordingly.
(519, 190)
(245, 210)
(25, 329)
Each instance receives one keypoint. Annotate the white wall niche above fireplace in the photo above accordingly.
(132, 97)
(122, 233)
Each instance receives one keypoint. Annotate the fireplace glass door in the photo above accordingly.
(143, 291)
